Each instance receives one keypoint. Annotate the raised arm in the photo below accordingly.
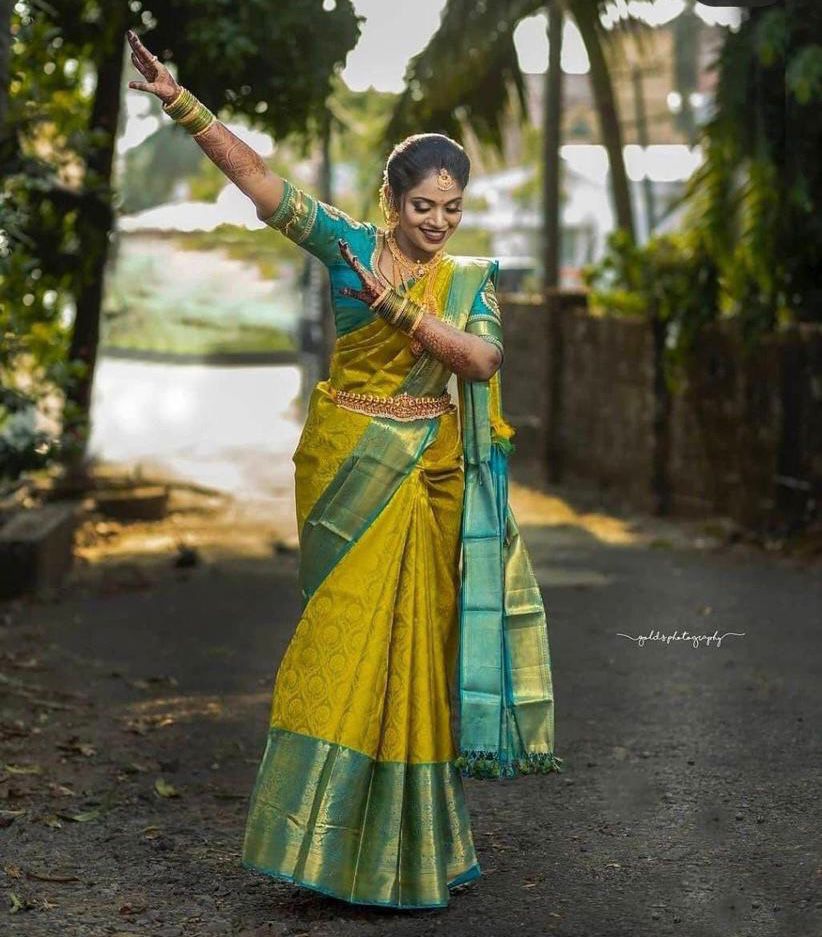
(240, 163)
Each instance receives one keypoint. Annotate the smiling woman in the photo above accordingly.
(416, 585)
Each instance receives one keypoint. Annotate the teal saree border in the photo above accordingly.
(331, 818)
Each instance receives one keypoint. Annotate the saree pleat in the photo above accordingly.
(358, 794)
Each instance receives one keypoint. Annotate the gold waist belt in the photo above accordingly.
(399, 407)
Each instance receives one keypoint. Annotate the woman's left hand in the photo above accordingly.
(371, 286)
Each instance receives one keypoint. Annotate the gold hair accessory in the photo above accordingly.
(445, 180)
(392, 218)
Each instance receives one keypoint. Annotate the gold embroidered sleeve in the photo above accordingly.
(313, 225)
(485, 320)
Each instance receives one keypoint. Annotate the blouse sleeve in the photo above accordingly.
(484, 319)
(313, 225)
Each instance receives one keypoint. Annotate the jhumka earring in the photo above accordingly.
(390, 214)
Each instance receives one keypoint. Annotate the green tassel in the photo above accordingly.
(505, 444)
(486, 764)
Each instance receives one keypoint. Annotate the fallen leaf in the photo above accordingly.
(45, 877)
(76, 745)
(164, 789)
(23, 769)
(16, 903)
(83, 817)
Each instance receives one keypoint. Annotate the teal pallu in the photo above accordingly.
(506, 694)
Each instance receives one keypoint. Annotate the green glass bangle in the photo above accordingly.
(198, 120)
(181, 105)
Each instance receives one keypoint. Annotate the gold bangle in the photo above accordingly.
(398, 315)
(380, 299)
(410, 317)
(416, 322)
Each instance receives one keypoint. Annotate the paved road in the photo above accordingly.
(689, 804)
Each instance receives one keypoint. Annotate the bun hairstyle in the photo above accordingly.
(418, 156)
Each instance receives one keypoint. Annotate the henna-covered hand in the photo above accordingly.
(466, 355)
(371, 286)
(160, 80)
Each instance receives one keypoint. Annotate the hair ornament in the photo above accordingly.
(445, 180)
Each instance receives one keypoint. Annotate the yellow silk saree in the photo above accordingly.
(414, 584)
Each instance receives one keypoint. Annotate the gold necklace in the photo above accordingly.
(416, 268)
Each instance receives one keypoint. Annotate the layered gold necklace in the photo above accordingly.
(411, 269)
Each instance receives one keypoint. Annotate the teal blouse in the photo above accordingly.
(317, 227)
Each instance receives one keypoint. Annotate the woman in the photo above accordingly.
(412, 570)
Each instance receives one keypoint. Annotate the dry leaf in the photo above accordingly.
(82, 817)
(164, 789)
(23, 769)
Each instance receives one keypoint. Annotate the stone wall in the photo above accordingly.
(739, 435)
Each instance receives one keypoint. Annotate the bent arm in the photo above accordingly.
(477, 353)
(468, 356)
(243, 166)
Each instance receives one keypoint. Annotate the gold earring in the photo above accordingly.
(392, 218)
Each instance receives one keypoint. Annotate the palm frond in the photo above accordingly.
(465, 74)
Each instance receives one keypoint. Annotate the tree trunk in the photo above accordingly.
(552, 234)
(603, 90)
(94, 224)
(5, 66)
(551, 141)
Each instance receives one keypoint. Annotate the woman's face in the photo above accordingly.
(428, 216)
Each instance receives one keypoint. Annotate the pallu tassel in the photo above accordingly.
(486, 764)
(501, 429)
(501, 433)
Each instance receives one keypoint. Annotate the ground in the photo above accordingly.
(134, 708)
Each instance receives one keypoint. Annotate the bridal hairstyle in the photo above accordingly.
(417, 156)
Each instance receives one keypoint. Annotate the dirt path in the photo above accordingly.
(134, 709)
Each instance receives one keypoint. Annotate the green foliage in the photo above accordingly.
(672, 278)
(467, 73)
(756, 198)
(271, 64)
(751, 244)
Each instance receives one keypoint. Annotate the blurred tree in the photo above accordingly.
(469, 73)
(756, 199)
(272, 64)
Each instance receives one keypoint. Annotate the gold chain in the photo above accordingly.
(416, 268)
